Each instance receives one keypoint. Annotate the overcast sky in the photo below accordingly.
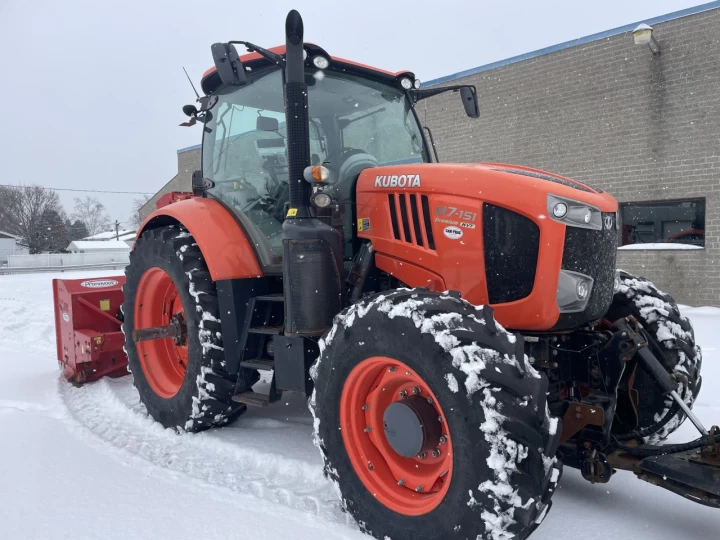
(92, 90)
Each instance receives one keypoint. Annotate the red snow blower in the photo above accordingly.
(88, 331)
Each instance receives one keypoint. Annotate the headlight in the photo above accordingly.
(406, 83)
(573, 292)
(574, 213)
(559, 210)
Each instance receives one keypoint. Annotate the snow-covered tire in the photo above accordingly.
(672, 339)
(503, 437)
(203, 399)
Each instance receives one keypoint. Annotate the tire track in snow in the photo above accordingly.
(102, 413)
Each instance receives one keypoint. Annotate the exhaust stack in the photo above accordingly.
(312, 250)
(296, 116)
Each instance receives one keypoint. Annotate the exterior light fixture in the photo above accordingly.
(406, 83)
(643, 35)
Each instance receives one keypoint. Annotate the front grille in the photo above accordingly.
(591, 253)
(511, 244)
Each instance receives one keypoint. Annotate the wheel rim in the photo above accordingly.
(410, 486)
(163, 361)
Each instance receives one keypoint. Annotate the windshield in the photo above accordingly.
(244, 150)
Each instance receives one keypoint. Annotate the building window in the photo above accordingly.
(665, 222)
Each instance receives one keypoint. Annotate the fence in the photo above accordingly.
(65, 261)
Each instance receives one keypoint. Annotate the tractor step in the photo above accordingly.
(270, 298)
(268, 330)
(252, 398)
(258, 363)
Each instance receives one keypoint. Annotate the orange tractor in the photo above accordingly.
(323, 243)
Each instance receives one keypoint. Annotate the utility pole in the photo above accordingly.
(117, 230)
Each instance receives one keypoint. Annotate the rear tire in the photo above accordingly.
(203, 397)
(502, 437)
(672, 339)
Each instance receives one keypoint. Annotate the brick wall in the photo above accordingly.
(608, 112)
(188, 161)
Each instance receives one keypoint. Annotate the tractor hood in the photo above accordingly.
(497, 183)
(497, 233)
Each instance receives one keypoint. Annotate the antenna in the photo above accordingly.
(191, 83)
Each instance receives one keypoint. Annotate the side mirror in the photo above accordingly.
(190, 110)
(265, 123)
(228, 64)
(468, 94)
(200, 184)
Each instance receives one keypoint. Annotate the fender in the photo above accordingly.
(409, 273)
(223, 243)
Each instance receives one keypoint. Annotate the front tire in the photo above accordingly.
(672, 339)
(496, 468)
(184, 384)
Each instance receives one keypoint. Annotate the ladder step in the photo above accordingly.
(252, 398)
(270, 330)
(258, 363)
(270, 298)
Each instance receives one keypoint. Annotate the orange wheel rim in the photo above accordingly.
(163, 361)
(410, 486)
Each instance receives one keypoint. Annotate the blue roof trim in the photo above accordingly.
(188, 148)
(575, 42)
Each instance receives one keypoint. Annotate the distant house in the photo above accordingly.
(124, 235)
(11, 245)
(95, 246)
(110, 235)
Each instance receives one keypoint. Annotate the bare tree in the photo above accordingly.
(135, 219)
(93, 214)
(35, 215)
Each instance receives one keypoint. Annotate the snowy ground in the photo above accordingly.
(86, 463)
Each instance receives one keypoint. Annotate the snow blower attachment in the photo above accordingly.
(321, 244)
(87, 328)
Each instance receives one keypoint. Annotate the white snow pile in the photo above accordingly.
(93, 447)
(662, 246)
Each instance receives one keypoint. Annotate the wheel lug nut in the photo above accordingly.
(365, 407)
(370, 466)
(403, 394)
(401, 482)
(419, 488)
(408, 373)
(436, 452)
(430, 400)
(391, 370)
(440, 419)
(368, 429)
(443, 439)
(416, 390)
(422, 455)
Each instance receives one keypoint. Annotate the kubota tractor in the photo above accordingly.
(324, 243)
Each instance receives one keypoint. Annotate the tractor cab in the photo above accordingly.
(358, 118)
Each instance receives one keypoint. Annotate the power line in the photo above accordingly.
(84, 190)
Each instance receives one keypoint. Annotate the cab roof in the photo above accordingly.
(210, 81)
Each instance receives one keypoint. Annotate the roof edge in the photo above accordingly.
(575, 42)
(189, 148)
